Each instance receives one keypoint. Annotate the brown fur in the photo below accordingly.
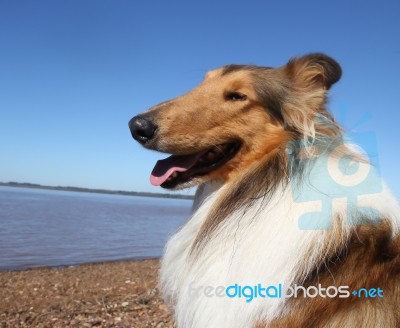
(281, 107)
(369, 259)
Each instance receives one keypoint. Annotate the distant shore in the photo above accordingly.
(113, 294)
(96, 191)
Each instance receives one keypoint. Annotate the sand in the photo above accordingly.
(113, 294)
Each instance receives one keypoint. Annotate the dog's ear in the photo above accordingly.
(313, 71)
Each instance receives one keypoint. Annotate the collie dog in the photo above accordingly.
(291, 224)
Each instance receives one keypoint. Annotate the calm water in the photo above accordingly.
(51, 228)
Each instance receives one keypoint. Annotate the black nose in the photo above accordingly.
(142, 129)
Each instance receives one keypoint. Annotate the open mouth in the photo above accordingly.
(179, 169)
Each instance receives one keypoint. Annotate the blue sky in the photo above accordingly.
(72, 74)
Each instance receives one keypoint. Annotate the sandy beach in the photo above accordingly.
(113, 294)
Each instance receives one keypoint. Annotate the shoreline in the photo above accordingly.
(106, 294)
(27, 185)
(70, 265)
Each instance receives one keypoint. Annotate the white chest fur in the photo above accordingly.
(261, 245)
(256, 247)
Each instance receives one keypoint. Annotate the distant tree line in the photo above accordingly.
(97, 191)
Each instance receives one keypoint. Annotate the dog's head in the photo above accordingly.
(238, 115)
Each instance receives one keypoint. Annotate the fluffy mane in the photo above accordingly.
(284, 199)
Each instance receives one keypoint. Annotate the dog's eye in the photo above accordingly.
(235, 96)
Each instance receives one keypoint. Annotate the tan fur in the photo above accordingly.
(203, 118)
(370, 258)
(282, 105)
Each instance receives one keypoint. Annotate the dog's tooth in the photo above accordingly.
(175, 174)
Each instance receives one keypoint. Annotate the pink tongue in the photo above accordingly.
(166, 167)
